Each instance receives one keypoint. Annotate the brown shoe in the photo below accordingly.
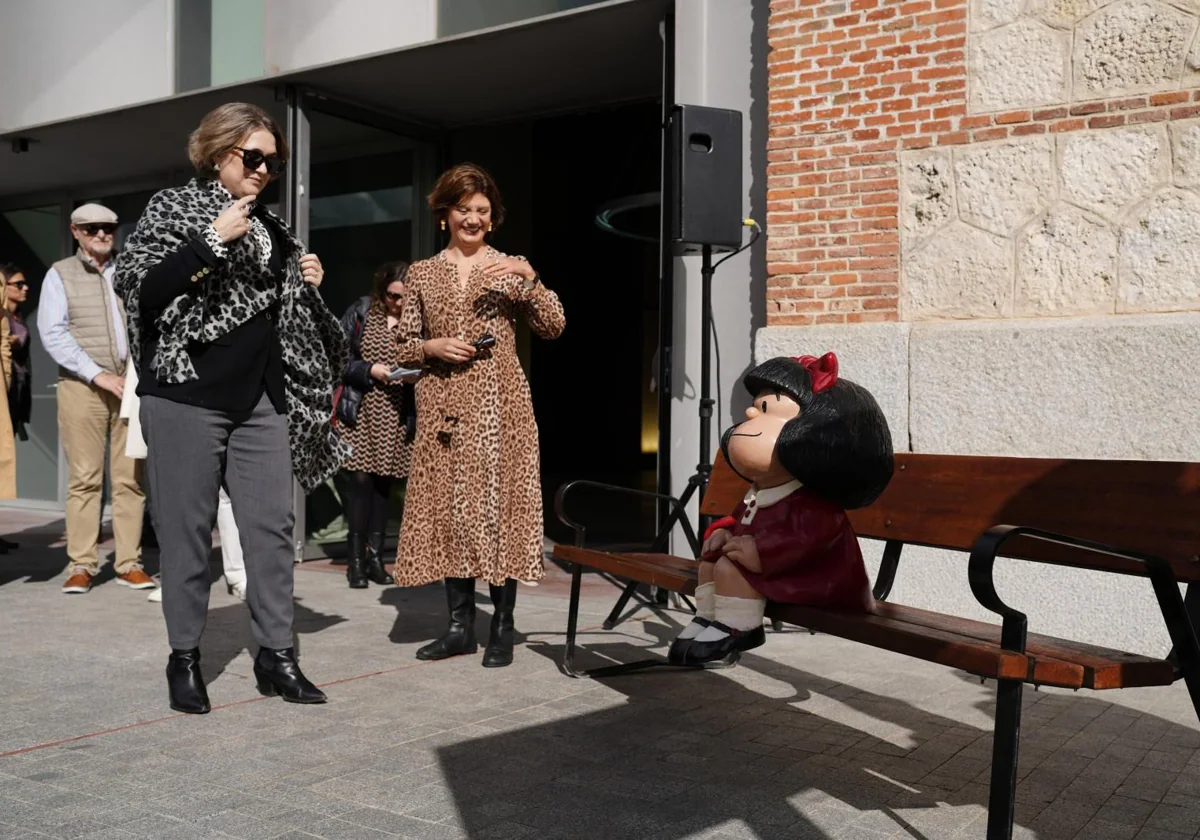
(137, 579)
(78, 583)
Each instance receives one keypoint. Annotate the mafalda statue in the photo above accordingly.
(813, 445)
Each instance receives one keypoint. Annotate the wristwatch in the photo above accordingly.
(532, 281)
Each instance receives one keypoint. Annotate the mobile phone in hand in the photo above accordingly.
(483, 341)
(403, 373)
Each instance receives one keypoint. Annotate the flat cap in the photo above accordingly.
(93, 214)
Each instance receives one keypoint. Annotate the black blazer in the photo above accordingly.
(234, 370)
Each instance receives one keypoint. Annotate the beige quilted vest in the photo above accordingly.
(89, 314)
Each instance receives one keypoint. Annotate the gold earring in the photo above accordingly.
(443, 224)
(489, 227)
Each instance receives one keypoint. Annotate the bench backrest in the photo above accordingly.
(948, 501)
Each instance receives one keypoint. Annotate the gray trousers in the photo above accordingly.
(190, 451)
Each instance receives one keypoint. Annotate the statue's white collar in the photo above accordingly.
(757, 499)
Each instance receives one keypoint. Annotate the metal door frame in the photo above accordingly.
(426, 146)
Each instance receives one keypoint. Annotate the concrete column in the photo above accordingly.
(720, 61)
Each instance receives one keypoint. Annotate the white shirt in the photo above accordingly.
(53, 325)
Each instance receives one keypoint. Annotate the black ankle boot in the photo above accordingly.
(499, 650)
(278, 672)
(185, 686)
(376, 573)
(459, 637)
(355, 573)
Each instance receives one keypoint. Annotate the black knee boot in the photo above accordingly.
(459, 637)
(355, 573)
(499, 650)
(376, 573)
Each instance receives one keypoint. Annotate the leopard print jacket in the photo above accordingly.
(311, 338)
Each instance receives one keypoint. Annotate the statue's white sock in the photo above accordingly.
(738, 613)
(706, 594)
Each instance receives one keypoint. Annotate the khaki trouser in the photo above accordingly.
(87, 420)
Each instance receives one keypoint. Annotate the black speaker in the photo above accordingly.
(706, 183)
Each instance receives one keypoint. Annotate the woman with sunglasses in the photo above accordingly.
(20, 394)
(237, 357)
(379, 416)
(9, 342)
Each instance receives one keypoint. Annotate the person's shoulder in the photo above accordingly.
(421, 269)
(423, 266)
(170, 194)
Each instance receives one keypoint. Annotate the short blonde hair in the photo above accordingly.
(223, 128)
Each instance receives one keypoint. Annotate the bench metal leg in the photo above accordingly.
(1005, 747)
(1177, 613)
(572, 620)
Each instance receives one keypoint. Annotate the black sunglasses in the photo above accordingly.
(20, 284)
(103, 227)
(393, 297)
(253, 158)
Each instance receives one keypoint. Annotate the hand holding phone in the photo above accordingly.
(401, 373)
(483, 341)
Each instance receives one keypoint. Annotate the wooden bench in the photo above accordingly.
(1123, 517)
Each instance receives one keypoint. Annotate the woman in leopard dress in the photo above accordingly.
(474, 503)
(379, 418)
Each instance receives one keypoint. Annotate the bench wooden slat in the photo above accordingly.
(947, 501)
(725, 489)
(1103, 668)
(676, 574)
(928, 643)
(973, 646)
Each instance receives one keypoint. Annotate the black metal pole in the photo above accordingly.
(704, 468)
(666, 277)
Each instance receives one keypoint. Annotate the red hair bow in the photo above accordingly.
(823, 370)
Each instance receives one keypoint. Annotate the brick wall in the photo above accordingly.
(853, 84)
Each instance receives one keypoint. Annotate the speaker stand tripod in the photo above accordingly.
(699, 479)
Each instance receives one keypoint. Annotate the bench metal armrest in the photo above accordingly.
(1014, 628)
(678, 513)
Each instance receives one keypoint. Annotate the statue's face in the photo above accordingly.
(752, 444)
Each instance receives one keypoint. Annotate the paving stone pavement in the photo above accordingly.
(809, 737)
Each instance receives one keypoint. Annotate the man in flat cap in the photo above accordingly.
(82, 325)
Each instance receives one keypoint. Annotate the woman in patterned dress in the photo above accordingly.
(379, 419)
(474, 502)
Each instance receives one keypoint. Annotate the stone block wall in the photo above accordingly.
(982, 159)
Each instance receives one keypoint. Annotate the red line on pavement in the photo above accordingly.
(141, 723)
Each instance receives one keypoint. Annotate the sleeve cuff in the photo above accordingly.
(90, 371)
(212, 239)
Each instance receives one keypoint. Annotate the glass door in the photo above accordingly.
(361, 180)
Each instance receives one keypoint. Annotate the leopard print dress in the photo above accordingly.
(474, 502)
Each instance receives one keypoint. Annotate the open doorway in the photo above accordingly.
(591, 388)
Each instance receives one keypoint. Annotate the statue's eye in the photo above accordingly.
(764, 407)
